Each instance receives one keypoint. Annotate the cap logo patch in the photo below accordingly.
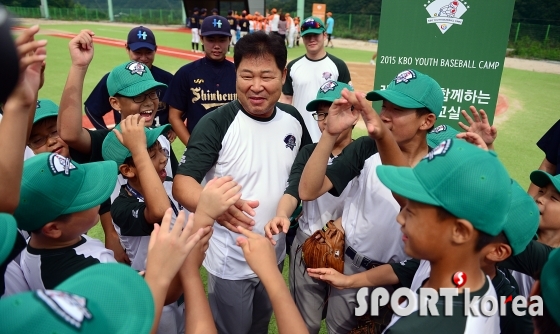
(59, 164)
(136, 68)
(71, 308)
(327, 86)
(441, 149)
(142, 35)
(405, 76)
(290, 141)
(217, 23)
(439, 128)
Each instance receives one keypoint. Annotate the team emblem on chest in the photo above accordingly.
(290, 141)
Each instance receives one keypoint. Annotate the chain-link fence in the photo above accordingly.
(525, 40)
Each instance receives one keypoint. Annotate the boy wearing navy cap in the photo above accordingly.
(203, 85)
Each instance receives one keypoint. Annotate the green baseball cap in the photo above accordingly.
(542, 179)
(329, 91)
(8, 233)
(522, 219)
(115, 151)
(312, 25)
(103, 298)
(131, 79)
(465, 180)
(53, 185)
(411, 89)
(550, 291)
(45, 108)
(439, 134)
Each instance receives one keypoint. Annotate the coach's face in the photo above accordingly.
(143, 55)
(259, 84)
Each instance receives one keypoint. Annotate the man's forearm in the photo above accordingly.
(311, 184)
(186, 191)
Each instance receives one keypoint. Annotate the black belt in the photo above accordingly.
(360, 260)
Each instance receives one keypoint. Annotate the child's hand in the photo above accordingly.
(331, 276)
(271, 228)
(480, 125)
(217, 196)
(374, 125)
(81, 48)
(342, 115)
(133, 135)
(473, 138)
(258, 251)
(168, 249)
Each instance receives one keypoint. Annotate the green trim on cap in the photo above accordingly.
(542, 179)
(8, 232)
(53, 185)
(459, 177)
(328, 92)
(116, 298)
(114, 150)
(522, 220)
(550, 290)
(316, 31)
(45, 108)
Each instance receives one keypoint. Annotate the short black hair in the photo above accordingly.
(425, 111)
(485, 239)
(260, 44)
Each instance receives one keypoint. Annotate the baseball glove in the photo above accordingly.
(368, 324)
(325, 248)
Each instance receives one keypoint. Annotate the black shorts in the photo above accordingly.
(329, 37)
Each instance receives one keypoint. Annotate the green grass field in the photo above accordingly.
(530, 96)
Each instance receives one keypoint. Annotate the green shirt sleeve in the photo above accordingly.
(343, 71)
(349, 163)
(297, 170)
(530, 261)
(405, 271)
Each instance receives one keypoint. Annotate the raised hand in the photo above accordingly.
(217, 196)
(331, 276)
(480, 125)
(372, 120)
(239, 214)
(259, 253)
(473, 138)
(32, 54)
(132, 134)
(342, 115)
(275, 226)
(81, 48)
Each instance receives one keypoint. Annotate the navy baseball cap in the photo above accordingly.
(195, 9)
(141, 37)
(215, 25)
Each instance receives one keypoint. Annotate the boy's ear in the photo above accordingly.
(51, 230)
(498, 252)
(127, 171)
(463, 232)
(429, 121)
(115, 104)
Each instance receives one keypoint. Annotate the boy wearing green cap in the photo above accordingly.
(547, 288)
(441, 224)
(132, 90)
(521, 224)
(11, 244)
(371, 237)
(59, 202)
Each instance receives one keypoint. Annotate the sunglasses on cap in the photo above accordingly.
(310, 24)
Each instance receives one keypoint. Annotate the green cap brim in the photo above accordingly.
(140, 87)
(549, 285)
(37, 118)
(403, 182)
(152, 134)
(92, 192)
(541, 179)
(8, 231)
(118, 299)
(312, 106)
(395, 97)
(313, 31)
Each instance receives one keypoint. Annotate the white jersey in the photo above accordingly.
(303, 80)
(14, 280)
(274, 23)
(457, 323)
(258, 154)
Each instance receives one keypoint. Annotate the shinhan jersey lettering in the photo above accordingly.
(208, 96)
